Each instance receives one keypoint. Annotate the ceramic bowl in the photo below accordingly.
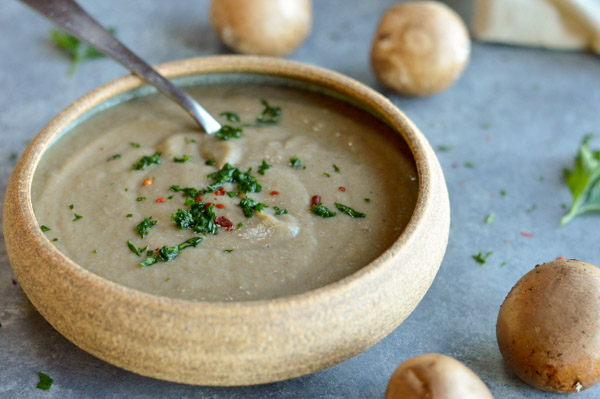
(230, 343)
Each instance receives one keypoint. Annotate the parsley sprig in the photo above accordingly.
(167, 254)
(584, 181)
(74, 48)
(146, 161)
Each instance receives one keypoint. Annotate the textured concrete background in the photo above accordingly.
(516, 114)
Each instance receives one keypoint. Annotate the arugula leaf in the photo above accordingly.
(167, 254)
(227, 132)
(584, 181)
(45, 381)
(145, 225)
(134, 249)
(146, 161)
(263, 167)
(74, 48)
(322, 211)
(349, 211)
(269, 115)
(249, 206)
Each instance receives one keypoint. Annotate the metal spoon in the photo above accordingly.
(72, 18)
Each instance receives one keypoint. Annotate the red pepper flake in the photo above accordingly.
(161, 199)
(526, 234)
(561, 258)
(220, 206)
(220, 191)
(506, 242)
(454, 165)
(198, 198)
(342, 189)
(224, 222)
(148, 181)
(274, 193)
(316, 200)
(207, 205)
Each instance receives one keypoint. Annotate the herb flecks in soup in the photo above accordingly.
(296, 191)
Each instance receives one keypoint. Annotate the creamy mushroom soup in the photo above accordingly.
(296, 191)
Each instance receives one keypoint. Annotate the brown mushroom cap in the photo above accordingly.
(420, 48)
(548, 327)
(263, 27)
(435, 376)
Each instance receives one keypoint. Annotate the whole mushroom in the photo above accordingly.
(420, 48)
(262, 27)
(548, 327)
(435, 376)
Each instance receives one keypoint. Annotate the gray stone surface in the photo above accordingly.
(517, 114)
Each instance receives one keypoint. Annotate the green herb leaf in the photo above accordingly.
(116, 156)
(183, 159)
(145, 225)
(135, 145)
(74, 48)
(295, 162)
(490, 218)
(263, 167)
(136, 250)
(45, 228)
(322, 211)
(55, 239)
(200, 218)
(146, 161)
(71, 206)
(167, 254)
(129, 215)
(14, 156)
(336, 169)
(279, 211)
(469, 165)
(240, 225)
(269, 115)
(481, 258)
(76, 217)
(227, 132)
(190, 141)
(249, 206)
(140, 199)
(583, 181)
(45, 381)
(232, 194)
(211, 162)
(444, 148)
(246, 182)
(326, 174)
(230, 116)
(503, 192)
(228, 250)
(368, 200)
(349, 211)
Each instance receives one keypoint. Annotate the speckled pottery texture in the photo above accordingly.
(230, 343)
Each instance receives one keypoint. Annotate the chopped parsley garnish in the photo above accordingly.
(246, 182)
(503, 192)
(45, 381)
(140, 199)
(200, 218)
(136, 250)
(76, 217)
(116, 156)
(295, 162)
(322, 211)
(336, 169)
(77, 50)
(71, 206)
(14, 156)
(368, 200)
(211, 162)
(279, 211)
(481, 258)
(490, 218)
(269, 115)
(263, 167)
(135, 145)
(189, 141)
(532, 208)
(230, 116)
(227, 132)
(240, 225)
(469, 165)
(146, 161)
(183, 159)
(584, 181)
(129, 215)
(326, 174)
(55, 239)
(145, 225)
(249, 206)
(45, 228)
(232, 194)
(228, 250)
(349, 211)
(187, 192)
(167, 254)
(94, 251)
(444, 148)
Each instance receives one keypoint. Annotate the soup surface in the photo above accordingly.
(312, 190)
